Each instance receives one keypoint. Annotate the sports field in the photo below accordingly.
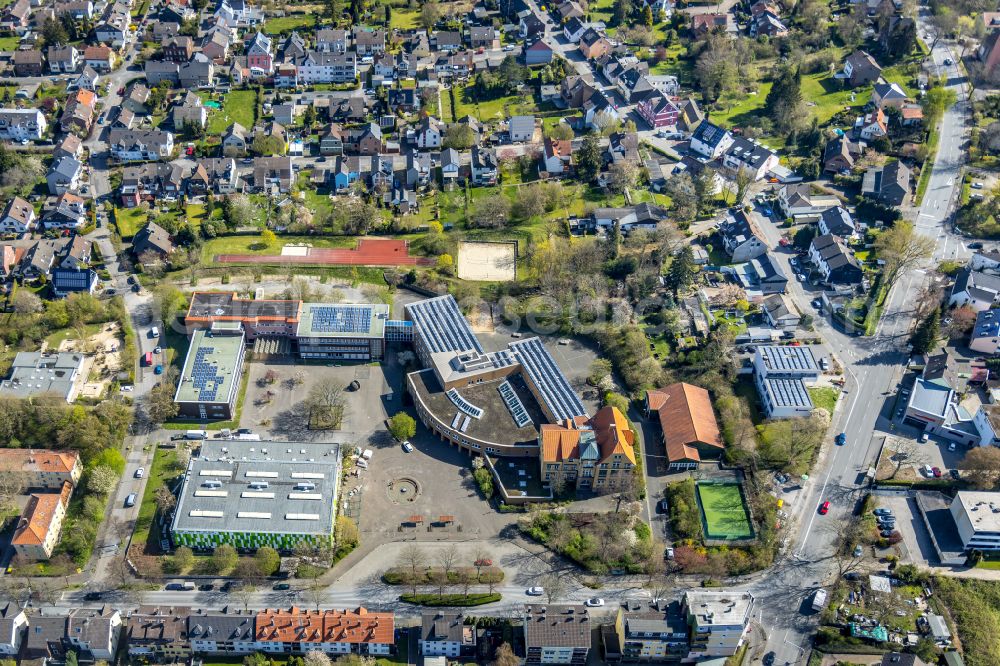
(723, 512)
(496, 262)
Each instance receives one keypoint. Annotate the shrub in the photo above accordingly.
(485, 481)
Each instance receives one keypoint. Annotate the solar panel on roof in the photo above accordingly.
(338, 319)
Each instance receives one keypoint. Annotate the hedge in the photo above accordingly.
(450, 599)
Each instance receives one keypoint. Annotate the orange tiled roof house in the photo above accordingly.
(690, 431)
(56, 472)
(593, 453)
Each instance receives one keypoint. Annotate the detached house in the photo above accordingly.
(658, 111)
(871, 125)
(710, 140)
(64, 175)
(140, 145)
(28, 62)
(840, 154)
(834, 260)
(101, 58)
(741, 238)
(18, 216)
(428, 133)
(63, 59)
(154, 239)
(557, 156)
(22, 124)
(980, 291)
(368, 42)
(861, 69)
(889, 185)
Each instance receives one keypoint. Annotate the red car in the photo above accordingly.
(937, 472)
(824, 508)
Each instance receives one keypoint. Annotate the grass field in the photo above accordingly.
(164, 467)
(283, 24)
(466, 104)
(129, 221)
(9, 43)
(825, 397)
(252, 245)
(723, 512)
(237, 107)
(404, 19)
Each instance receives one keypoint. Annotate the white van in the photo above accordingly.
(154, 332)
(367, 455)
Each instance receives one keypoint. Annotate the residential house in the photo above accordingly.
(18, 217)
(136, 98)
(88, 79)
(299, 631)
(63, 59)
(641, 216)
(22, 124)
(28, 62)
(556, 634)
(767, 23)
(889, 185)
(101, 58)
(115, 26)
(741, 238)
(260, 60)
(690, 115)
(218, 175)
(69, 212)
(871, 125)
(152, 239)
(718, 622)
(419, 168)
(78, 113)
(177, 49)
(978, 290)
(95, 632)
(330, 40)
(837, 221)
(750, 158)
(66, 281)
(292, 48)
(366, 140)
(38, 528)
(70, 145)
(989, 51)
(911, 115)
(327, 67)
(780, 312)
(228, 632)
(235, 140)
(199, 72)
(140, 145)
(273, 172)
(622, 147)
(446, 634)
(985, 336)
(557, 156)
(573, 30)
(44, 640)
(150, 181)
(688, 427)
(702, 24)
(841, 153)
(15, 17)
(652, 636)
(64, 175)
(710, 141)
(658, 111)
(530, 25)
(406, 100)
(799, 202)
(593, 44)
(158, 633)
(761, 274)
(835, 262)
(331, 140)
(13, 629)
(346, 171)
(368, 42)
(888, 95)
(443, 40)
(861, 69)
(157, 71)
(215, 46)
(538, 53)
(521, 129)
(484, 37)
(451, 165)
(188, 110)
(570, 9)
(593, 453)
(428, 133)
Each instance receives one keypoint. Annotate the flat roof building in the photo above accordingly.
(340, 331)
(781, 374)
(210, 382)
(34, 374)
(718, 621)
(977, 518)
(275, 494)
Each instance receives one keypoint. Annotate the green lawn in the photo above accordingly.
(129, 221)
(252, 245)
(723, 511)
(57, 338)
(824, 397)
(404, 19)
(9, 43)
(492, 109)
(238, 106)
(165, 467)
(284, 24)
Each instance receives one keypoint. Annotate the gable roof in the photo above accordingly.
(686, 417)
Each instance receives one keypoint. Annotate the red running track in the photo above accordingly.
(369, 252)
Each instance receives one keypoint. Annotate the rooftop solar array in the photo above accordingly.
(548, 379)
(441, 325)
(210, 369)
(335, 319)
(514, 404)
(461, 403)
(788, 393)
(787, 358)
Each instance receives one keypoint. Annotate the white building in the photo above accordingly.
(781, 374)
(22, 124)
(719, 622)
(977, 518)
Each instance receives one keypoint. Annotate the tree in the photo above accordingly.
(982, 466)
(430, 14)
(447, 558)
(326, 402)
(346, 532)
(183, 558)
(71, 658)
(446, 264)
(102, 480)
(588, 159)
(623, 176)
(315, 657)
(239, 211)
(505, 656)
(530, 202)
(224, 558)
(164, 499)
(684, 197)
(784, 101)
(926, 336)
(413, 558)
(268, 560)
(902, 249)
(492, 212)
(309, 116)
(647, 16)
(682, 270)
(458, 136)
(54, 33)
(743, 179)
(26, 302)
(361, 217)
(402, 426)
(905, 452)
(555, 586)
(267, 237)
(559, 132)
(160, 405)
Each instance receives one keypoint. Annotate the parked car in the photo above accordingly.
(824, 508)
(407, 447)
(668, 554)
(282, 586)
(139, 472)
(955, 474)
(93, 596)
(885, 534)
(535, 591)
(924, 437)
(206, 587)
(596, 602)
(882, 511)
(858, 550)
(937, 472)
(976, 246)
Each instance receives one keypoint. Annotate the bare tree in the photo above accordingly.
(555, 586)
(447, 557)
(327, 398)
(314, 593)
(905, 452)
(902, 249)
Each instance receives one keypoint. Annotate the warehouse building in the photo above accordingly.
(276, 494)
(209, 384)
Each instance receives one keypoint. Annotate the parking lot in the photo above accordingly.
(916, 546)
(936, 452)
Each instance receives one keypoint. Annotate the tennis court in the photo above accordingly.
(723, 512)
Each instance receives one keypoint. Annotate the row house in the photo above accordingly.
(260, 60)
(140, 145)
(273, 173)
(22, 124)
(63, 59)
(217, 175)
(148, 182)
(157, 71)
(485, 167)
(455, 66)
(834, 260)
(199, 72)
(749, 157)
(215, 45)
(298, 631)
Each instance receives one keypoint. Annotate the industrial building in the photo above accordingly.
(274, 494)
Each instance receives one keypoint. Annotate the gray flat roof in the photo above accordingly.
(930, 397)
(269, 487)
(788, 392)
(335, 320)
(441, 326)
(211, 369)
(548, 379)
(34, 373)
(787, 358)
